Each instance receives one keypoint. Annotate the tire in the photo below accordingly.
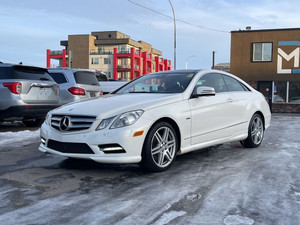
(33, 122)
(255, 132)
(160, 148)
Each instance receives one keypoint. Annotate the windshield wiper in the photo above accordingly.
(139, 92)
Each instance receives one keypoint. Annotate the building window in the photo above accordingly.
(280, 90)
(95, 61)
(294, 92)
(262, 52)
(107, 61)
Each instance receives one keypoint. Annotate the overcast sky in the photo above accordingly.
(29, 27)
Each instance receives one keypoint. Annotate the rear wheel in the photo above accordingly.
(255, 132)
(34, 122)
(160, 148)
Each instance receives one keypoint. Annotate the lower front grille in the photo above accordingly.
(67, 147)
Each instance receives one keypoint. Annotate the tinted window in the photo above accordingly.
(86, 77)
(24, 73)
(58, 78)
(233, 85)
(214, 80)
(170, 82)
(101, 77)
(6, 73)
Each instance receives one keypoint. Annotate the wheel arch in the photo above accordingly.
(174, 125)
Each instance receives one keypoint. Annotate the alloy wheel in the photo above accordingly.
(163, 146)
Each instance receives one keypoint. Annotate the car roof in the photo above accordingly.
(73, 70)
(20, 66)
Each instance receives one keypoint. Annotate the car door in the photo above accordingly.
(211, 115)
(240, 102)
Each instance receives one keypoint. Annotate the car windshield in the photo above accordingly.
(171, 82)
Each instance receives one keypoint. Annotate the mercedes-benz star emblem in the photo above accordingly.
(64, 123)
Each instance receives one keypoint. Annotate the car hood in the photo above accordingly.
(112, 105)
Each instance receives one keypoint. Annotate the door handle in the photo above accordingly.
(229, 100)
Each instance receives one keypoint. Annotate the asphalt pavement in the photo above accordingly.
(225, 184)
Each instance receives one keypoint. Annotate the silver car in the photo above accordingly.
(27, 94)
(75, 84)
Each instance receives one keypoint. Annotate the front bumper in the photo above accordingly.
(99, 146)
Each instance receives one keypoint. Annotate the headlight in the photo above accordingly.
(48, 119)
(104, 123)
(127, 119)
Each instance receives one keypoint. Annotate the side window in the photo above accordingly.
(214, 80)
(233, 85)
(58, 78)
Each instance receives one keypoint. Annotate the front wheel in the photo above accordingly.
(160, 148)
(255, 132)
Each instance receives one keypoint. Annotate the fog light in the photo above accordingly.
(111, 148)
(43, 140)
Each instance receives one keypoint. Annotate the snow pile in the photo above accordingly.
(18, 139)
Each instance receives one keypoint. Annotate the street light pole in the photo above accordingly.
(174, 34)
(186, 62)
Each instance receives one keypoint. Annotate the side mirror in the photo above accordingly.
(203, 91)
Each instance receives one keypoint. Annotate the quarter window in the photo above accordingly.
(233, 85)
(262, 52)
(58, 78)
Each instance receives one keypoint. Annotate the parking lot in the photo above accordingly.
(225, 184)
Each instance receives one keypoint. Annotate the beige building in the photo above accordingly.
(113, 53)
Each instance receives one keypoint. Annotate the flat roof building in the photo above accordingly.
(111, 52)
(269, 61)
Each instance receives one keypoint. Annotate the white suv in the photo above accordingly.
(75, 84)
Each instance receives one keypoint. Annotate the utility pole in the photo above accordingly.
(174, 34)
(213, 59)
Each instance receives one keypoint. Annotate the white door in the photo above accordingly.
(211, 115)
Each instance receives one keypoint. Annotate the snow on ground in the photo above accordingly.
(18, 139)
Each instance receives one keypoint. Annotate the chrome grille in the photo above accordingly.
(69, 123)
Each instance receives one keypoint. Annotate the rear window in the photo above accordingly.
(59, 78)
(24, 73)
(85, 77)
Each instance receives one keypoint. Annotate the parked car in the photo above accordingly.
(108, 85)
(75, 84)
(27, 94)
(157, 116)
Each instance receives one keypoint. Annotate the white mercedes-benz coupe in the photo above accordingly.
(158, 116)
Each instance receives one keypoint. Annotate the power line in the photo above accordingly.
(9, 59)
(188, 23)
